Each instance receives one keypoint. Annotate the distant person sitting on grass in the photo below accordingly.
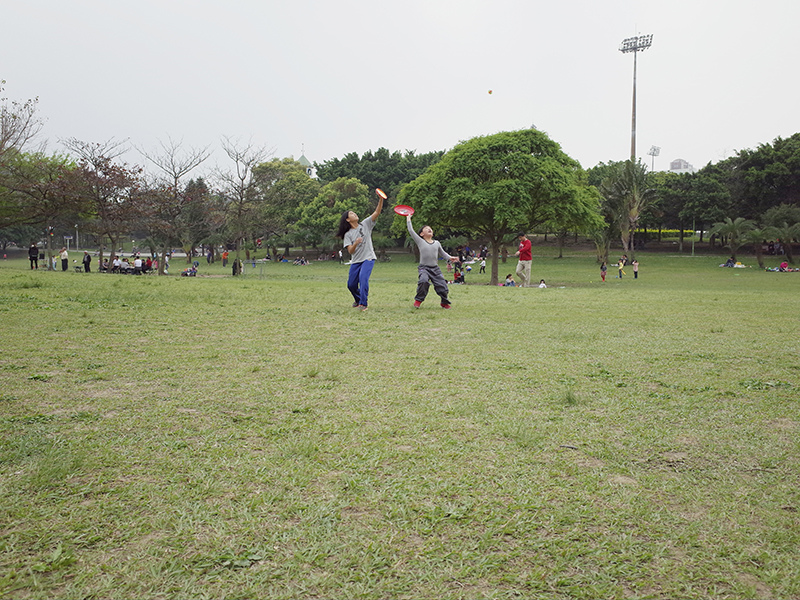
(542, 284)
(509, 281)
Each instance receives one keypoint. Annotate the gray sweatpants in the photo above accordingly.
(431, 275)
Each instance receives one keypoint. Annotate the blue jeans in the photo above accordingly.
(358, 281)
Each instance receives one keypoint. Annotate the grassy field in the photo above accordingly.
(255, 437)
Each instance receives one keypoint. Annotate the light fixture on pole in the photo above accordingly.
(654, 151)
(636, 44)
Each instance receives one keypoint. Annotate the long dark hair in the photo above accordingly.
(344, 225)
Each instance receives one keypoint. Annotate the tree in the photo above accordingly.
(628, 190)
(284, 187)
(786, 234)
(239, 189)
(733, 231)
(757, 237)
(106, 187)
(38, 193)
(19, 124)
(19, 235)
(784, 213)
(320, 217)
(203, 218)
(784, 223)
(383, 169)
(174, 162)
(498, 185)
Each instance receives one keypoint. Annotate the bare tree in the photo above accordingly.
(174, 162)
(240, 188)
(19, 124)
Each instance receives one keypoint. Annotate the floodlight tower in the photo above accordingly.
(654, 151)
(636, 44)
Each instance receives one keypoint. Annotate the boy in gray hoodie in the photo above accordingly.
(429, 272)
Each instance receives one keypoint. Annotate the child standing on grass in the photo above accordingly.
(357, 238)
(635, 269)
(603, 269)
(429, 272)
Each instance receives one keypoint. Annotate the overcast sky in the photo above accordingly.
(328, 77)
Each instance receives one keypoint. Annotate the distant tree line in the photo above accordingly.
(487, 189)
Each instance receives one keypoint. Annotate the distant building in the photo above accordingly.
(307, 165)
(680, 166)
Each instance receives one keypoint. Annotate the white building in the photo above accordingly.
(680, 166)
(308, 166)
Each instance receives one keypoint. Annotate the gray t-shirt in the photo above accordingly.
(428, 253)
(364, 250)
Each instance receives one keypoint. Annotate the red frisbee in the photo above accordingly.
(381, 193)
(403, 210)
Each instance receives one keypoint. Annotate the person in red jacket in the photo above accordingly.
(525, 259)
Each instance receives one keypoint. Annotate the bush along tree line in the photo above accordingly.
(486, 189)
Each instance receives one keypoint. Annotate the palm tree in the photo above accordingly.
(786, 234)
(757, 237)
(627, 195)
(732, 232)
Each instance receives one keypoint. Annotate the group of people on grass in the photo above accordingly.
(136, 266)
(621, 264)
(356, 236)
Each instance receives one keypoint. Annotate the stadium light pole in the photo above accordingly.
(654, 151)
(636, 44)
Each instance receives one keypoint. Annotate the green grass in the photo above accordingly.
(257, 437)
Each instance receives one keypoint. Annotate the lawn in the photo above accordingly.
(255, 437)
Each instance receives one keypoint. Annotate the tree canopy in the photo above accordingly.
(495, 186)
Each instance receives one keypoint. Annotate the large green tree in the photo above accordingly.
(383, 169)
(497, 185)
(285, 187)
(320, 217)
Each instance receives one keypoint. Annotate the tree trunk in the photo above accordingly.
(49, 251)
(496, 252)
(561, 238)
(759, 254)
(162, 263)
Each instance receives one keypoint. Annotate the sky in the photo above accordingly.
(325, 78)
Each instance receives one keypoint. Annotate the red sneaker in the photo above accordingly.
(417, 303)
(443, 305)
